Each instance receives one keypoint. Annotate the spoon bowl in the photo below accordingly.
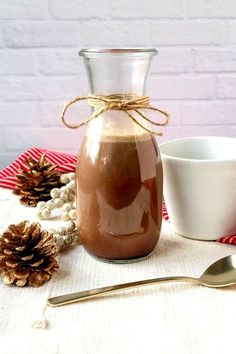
(221, 273)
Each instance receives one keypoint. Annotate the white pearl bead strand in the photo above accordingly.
(61, 198)
(66, 236)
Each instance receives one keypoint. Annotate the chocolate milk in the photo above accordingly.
(119, 189)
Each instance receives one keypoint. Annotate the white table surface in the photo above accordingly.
(169, 318)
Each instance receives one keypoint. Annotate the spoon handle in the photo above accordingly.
(88, 294)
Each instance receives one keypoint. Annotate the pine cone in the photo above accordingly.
(27, 255)
(36, 181)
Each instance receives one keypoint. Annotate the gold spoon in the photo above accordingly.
(220, 274)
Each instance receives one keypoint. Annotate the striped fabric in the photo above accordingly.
(165, 212)
(229, 239)
(66, 163)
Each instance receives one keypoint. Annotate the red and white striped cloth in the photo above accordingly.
(66, 163)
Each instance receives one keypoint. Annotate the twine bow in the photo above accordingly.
(117, 102)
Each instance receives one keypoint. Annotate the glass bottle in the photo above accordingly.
(119, 176)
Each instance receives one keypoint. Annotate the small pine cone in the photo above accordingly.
(27, 255)
(36, 180)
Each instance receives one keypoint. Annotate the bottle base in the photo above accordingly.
(120, 261)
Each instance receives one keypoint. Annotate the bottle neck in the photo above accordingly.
(117, 74)
(116, 71)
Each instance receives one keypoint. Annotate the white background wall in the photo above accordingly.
(194, 76)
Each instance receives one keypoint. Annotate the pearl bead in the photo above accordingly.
(71, 197)
(65, 216)
(58, 202)
(71, 185)
(39, 214)
(74, 204)
(71, 176)
(64, 178)
(61, 230)
(50, 205)
(64, 196)
(72, 214)
(55, 192)
(70, 226)
(67, 207)
(69, 240)
(40, 204)
(46, 214)
(63, 189)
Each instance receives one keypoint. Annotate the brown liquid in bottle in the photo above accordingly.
(119, 189)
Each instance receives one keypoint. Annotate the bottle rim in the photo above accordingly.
(87, 52)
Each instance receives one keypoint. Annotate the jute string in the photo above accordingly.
(117, 102)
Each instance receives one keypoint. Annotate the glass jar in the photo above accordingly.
(119, 176)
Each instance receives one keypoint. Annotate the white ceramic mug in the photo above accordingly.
(200, 186)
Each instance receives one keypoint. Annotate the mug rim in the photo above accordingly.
(207, 137)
